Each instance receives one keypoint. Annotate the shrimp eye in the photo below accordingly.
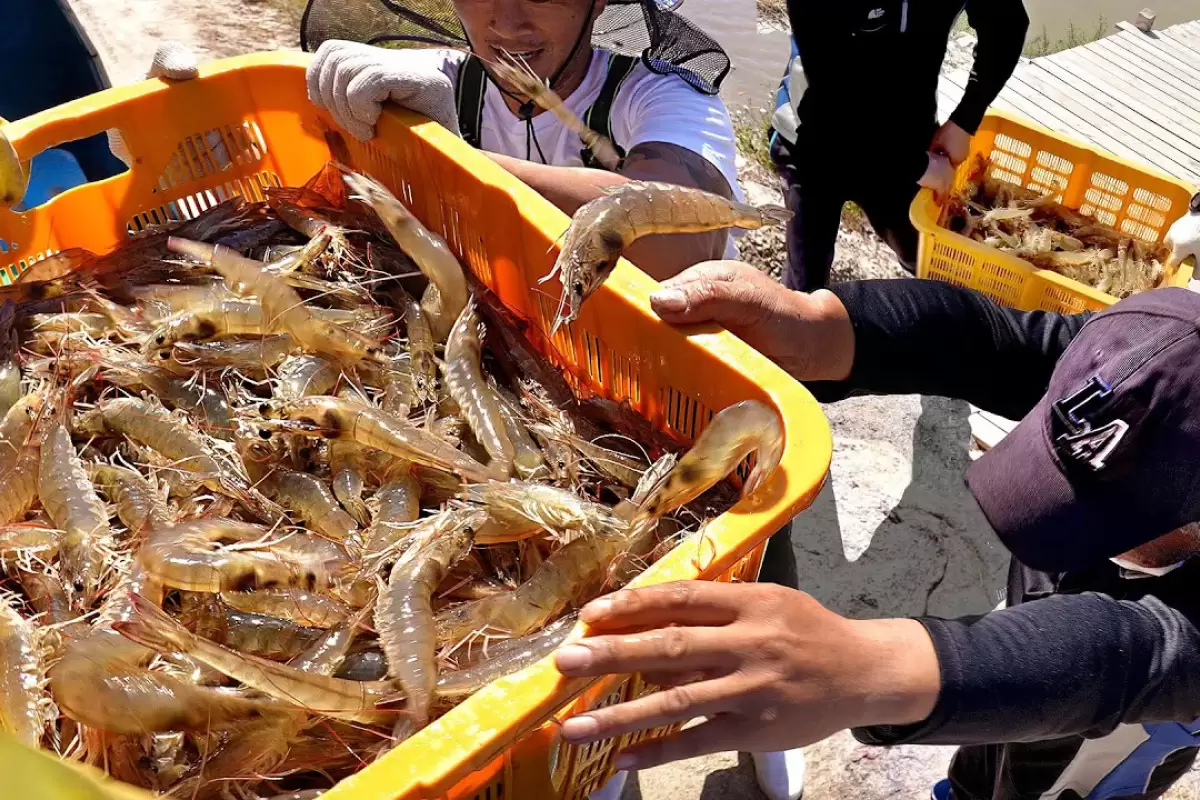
(305, 452)
(165, 355)
(264, 408)
(263, 433)
(160, 339)
(577, 287)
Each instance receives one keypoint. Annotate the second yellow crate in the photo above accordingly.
(1129, 198)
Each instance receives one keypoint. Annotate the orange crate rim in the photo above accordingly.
(1136, 200)
(246, 124)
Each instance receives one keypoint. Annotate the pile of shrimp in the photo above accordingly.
(1051, 236)
(281, 484)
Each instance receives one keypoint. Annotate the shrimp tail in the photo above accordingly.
(774, 215)
(151, 627)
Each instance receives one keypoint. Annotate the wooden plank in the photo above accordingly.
(1187, 34)
(1132, 79)
(1136, 146)
(1128, 112)
(1137, 66)
(1003, 423)
(985, 434)
(1169, 53)
(1030, 103)
(1068, 117)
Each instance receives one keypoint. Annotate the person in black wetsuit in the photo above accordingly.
(1088, 684)
(865, 124)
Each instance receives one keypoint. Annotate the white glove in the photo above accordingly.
(172, 61)
(352, 81)
(1183, 237)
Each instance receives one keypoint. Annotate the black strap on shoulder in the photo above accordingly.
(599, 116)
(468, 96)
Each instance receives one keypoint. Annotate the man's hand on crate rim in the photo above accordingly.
(769, 667)
(952, 142)
(809, 335)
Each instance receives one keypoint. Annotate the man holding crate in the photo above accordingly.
(1088, 684)
(857, 115)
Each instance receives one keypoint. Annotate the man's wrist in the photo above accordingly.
(824, 319)
(901, 679)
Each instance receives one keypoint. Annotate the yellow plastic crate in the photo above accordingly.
(1127, 197)
(502, 742)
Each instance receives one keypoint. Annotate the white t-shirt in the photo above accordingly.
(648, 108)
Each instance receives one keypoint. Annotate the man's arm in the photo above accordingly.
(568, 188)
(930, 337)
(1066, 664)
(880, 337)
(1000, 26)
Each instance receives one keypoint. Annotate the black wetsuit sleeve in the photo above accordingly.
(1065, 664)
(928, 337)
(1000, 26)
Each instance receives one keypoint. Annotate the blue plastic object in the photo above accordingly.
(48, 60)
(51, 173)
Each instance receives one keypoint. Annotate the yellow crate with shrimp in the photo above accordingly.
(245, 125)
(1131, 199)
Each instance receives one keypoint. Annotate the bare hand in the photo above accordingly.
(809, 335)
(939, 176)
(952, 142)
(769, 667)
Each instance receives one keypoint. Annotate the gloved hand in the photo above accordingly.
(352, 81)
(1183, 237)
(172, 61)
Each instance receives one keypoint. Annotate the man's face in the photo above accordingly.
(542, 31)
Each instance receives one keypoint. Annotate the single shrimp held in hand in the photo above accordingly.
(604, 228)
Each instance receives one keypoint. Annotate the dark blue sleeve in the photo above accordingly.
(1065, 664)
(928, 337)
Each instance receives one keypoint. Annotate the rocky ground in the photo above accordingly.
(893, 533)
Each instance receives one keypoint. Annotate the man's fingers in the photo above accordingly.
(704, 300)
(674, 649)
(679, 602)
(714, 736)
(678, 704)
(705, 270)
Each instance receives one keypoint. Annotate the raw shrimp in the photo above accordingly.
(503, 658)
(282, 306)
(251, 749)
(398, 505)
(326, 655)
(101, 680)
(311, 224)
(304, 375)
(24, 704)
(303, 608)
(520, 509)
(310, 499)
(154, 427)
(347, 479)
(29, 539)
(734, 433)
(604, 228)
(470, 390)
(570, 577)
(421, 356)
(625, 470)
(528, 460)
(217, 319)
(335, 418)
(208, 404)
(19, 484)
(255, 355)
(446, 295)
(190, 556)
(10, 370)
(404, 614)
(260, 635)
(333, 697)
(140, 504)
(70, 498)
